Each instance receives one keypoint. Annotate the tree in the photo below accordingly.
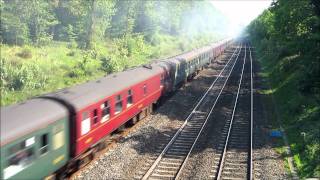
(13, 30)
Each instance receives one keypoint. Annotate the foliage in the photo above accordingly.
(89, 21)
(25, 53)
(53, 44)
(288, 34)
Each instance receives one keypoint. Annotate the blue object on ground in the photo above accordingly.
(275, 133)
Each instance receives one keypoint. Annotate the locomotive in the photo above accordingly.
(52, 135)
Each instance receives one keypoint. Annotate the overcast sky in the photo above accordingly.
(240, 12)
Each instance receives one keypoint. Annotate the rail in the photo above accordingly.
(189, 132)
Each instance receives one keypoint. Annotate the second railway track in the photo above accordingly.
(235, 155)
(195, 155)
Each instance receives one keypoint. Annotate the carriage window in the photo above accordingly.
(20, 156)
(118, 104)
(145, 89)
(105, 111)
(95, 116)
(58, 136)
(44, 143)
(16, 148)
(30, 141)
(85, 124)
(58, 140)
(129, 98)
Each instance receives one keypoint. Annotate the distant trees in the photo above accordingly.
(85, 21)
(24, 21)
(292, 27)
(51, 44)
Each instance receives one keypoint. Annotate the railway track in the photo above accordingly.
(234, 157)
(114, 138)
(174, 156)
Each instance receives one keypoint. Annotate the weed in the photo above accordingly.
(25, 53)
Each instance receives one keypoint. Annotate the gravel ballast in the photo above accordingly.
(129, 156)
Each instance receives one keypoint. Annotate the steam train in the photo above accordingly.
(51, 135)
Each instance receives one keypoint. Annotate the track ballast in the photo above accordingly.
(170, 163)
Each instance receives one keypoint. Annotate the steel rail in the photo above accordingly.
(151, 169)
(207, 117)
(208, 90)
(251, 118)
(221, 162)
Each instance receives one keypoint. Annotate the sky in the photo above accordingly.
(240, 12)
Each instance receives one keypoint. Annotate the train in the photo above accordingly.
(52, 135)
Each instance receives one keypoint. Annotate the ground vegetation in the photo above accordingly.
(287, 40)
(53, 44)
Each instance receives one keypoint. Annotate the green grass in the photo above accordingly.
(49, 68)
(30, 71)
(299, 113)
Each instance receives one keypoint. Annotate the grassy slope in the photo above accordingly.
(29, 71)
(299, 113)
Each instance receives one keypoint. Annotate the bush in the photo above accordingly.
(71, 53)
(106, 65)
(16, 78)
(182, 46)
(44, 39)
(63, 64)
(25, 53)
(72, 44)
(74, 73)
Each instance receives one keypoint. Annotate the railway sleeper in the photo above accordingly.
(234, 174)
(155, 175)
(184, 141)
(232, 178)
(179, 146)
(175, 157)
(170, 172)
(189, 133)
(174, 168)
(164, 171)
(178, 153)
(169, 163)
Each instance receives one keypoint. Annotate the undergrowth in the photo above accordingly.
(299, 112)
(28, 71)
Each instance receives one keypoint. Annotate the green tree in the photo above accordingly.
(290, 32)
